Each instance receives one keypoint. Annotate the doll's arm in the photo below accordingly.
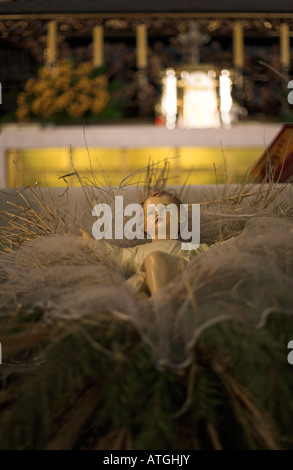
(124, 256)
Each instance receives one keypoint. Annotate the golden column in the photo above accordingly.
(285, 46)
(98, 46)
(285, 60)
(141, 62)
(238, 58)
(141, 46)
(51, 53)
(238, 45)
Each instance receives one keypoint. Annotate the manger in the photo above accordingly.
(91, 363)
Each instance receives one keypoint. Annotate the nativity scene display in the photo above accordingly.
(152, 331)
(146, 227)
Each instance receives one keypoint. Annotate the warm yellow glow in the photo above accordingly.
(97, 159)
(135, 158)
(110, 166)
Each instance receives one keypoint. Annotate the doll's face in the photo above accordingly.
(157, 214)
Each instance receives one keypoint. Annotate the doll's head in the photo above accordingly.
(154, 208)
(155, 192)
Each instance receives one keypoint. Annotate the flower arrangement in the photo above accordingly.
(64, 92)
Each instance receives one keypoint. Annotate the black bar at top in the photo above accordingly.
(150, 6)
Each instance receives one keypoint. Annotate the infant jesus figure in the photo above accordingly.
(151, 266)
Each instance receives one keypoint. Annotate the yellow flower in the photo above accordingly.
(83, 99)
(62, 82)
(84, 84)
(101, 94)
(65, 99)
(101, 81)
(37, 106)
(99, 103)
(54, 91)
(22, 113)
(21, 99)
(48, 94)
(29, 86)
(84, 69)
(64, 69)
(62, 101)
(41, 86)
(75, 110)
(45, 72)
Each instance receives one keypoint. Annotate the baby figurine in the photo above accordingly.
(152, 265)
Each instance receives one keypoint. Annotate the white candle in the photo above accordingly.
(98, 46)
(238, 45)
(141, 46)
(284, 45)
(52, 42)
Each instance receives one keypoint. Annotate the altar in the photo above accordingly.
(30, 153)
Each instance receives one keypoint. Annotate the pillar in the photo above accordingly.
(98, 46)
(285, 46)
(238, 59)
(51, 43)
(141, 46)
(238, 45)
